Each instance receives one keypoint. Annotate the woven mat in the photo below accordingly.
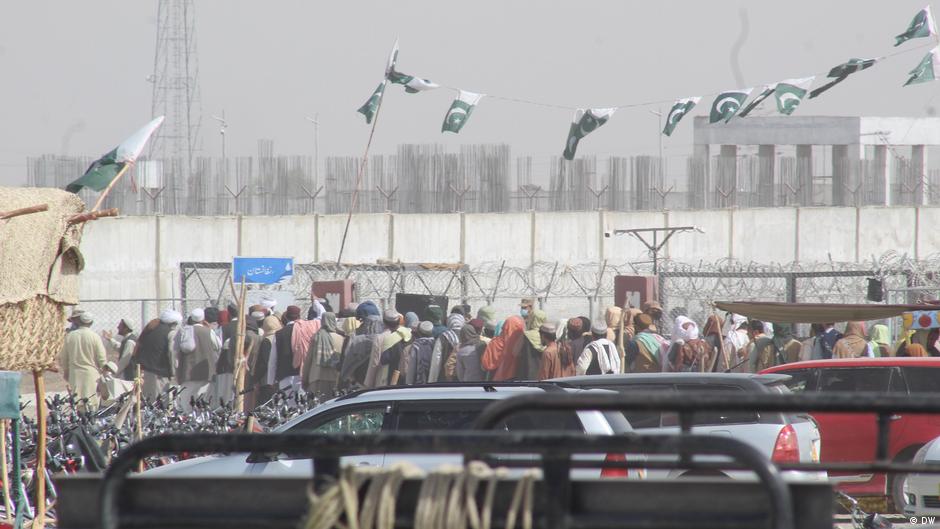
(31, 334)
(39, 252)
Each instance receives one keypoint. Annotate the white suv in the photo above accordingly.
(433, 407)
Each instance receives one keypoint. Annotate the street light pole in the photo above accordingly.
(222, 126)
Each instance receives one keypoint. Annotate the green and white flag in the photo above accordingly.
(921, 26)
(370, 107)
(103, 170)
(790, 92)
(727, 104)
(584, 123)
(765, 92)
(841, 72)
(459, 111)
(678, 111)
(392, 59)
(927, 70)
(412, 84)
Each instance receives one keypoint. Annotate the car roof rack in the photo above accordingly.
(488, 386)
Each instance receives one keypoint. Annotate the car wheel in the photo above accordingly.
(896, 489)
(896, 481)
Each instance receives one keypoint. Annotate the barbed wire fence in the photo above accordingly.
(567, 290)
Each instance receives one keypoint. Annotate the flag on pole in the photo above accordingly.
(585, 122)
(392, 59)
(459, 111)
(412, 84)
(790, 93)
(927, 70)
(765, 92)
(727, 104)
(921, 26)
(841, 72)
(678, 111)
(370, 107)
(103, 170)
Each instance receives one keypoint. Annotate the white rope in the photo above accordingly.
(447, 498)
(522, 497)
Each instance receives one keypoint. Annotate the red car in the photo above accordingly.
(851, 437)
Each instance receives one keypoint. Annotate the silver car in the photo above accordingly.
(444, 407)
(782, 437)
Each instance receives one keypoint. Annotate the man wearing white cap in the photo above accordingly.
(154, 352)
(82, 359)
(194, 371)
(269, 305)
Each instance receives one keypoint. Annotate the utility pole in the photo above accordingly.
(656, 245)
(316, 145)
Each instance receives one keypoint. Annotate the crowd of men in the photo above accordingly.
(362, 346)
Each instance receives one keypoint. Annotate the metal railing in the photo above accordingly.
(556, 448)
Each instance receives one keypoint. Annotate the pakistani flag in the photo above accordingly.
(584, 123)
(372, 105)
(392, 59)
(789, 93)
(841, 72)
(727, 104)
(678, 111)
(459, 111)
(927, 70)
(412, 84)
(921, 26)
(103, 170)
(765, 92)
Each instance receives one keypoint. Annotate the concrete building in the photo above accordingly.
(847, 137)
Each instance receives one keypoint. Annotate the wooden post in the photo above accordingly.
(107, 190)
(4, 473)
(92, 215)
(239, 353)
(138, 394)
(23, 211)
(40, 520)
(139, 418)
(620, 348)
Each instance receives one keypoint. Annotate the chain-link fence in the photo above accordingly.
(563, 290)
(108, 312)
(567, 290)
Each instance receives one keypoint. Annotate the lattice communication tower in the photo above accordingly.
(176, 88)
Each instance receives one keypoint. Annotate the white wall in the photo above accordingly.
(138, 257)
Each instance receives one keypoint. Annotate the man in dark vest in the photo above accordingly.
(286, 375)
(154, 352)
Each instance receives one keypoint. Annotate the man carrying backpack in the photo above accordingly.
(196, 347)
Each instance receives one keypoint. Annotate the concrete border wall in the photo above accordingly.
(138, 257)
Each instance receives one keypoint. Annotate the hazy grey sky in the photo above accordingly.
(75, 72)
